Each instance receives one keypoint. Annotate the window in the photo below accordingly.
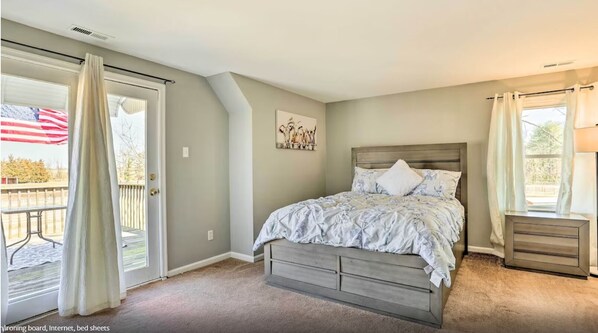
(543, 135)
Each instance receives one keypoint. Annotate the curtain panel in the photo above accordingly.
(505, 164)
(563, 204)
(92, 277)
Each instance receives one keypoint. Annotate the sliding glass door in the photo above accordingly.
(37, 99)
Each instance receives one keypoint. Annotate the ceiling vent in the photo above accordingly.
(558, 64)
(89, 32)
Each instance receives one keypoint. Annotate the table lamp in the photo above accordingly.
(586, 141)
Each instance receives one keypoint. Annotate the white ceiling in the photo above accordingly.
(334, 50)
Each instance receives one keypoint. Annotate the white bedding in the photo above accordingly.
(423, 225)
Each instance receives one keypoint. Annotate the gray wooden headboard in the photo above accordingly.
(445, 156)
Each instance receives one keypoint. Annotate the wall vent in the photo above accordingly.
(89, 32)
(559, 64)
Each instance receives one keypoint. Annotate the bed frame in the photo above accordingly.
(387, 283)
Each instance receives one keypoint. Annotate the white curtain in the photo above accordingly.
(3, 278)
(92, 276)
(583, 194)
(563, 204)
(505, 169)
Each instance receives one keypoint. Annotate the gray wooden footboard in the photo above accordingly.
(388, 283)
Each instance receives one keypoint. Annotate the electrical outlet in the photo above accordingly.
(185, 152)
(210, 235)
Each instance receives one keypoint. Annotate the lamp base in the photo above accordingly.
(594, 271)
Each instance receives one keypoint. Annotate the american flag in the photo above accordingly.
(33, 125)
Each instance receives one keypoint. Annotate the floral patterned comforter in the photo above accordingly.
(414, 224)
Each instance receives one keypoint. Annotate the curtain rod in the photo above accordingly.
(81, 60)
(547, 92)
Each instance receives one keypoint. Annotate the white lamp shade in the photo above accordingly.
(586, 139)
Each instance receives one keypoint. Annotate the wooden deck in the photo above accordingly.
(33, 279)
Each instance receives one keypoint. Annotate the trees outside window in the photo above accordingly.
(25, 170)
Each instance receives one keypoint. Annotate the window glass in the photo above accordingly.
(34, 172)
(543, 135)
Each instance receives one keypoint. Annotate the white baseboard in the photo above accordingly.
(213, 260)
(485, 250)
(246, 257)
(199, 264)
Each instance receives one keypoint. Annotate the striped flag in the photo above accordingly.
(33, 125)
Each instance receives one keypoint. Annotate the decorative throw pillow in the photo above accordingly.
(437, 183)
(400, 179)
(364, 181)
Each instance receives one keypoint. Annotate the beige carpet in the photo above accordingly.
(231, 297)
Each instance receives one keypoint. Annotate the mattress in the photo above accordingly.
(423, 225)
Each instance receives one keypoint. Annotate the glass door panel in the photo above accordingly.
(127, 117)
(34, 153)
(34, 171)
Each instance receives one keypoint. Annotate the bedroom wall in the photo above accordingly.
(197, 191)
(451, 114)
(240, 152)
(281, 177)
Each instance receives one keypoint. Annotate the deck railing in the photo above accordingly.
(132, 208)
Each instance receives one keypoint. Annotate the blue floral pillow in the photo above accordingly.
(364, 181)
(437, 183)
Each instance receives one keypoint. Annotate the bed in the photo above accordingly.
(393, 284)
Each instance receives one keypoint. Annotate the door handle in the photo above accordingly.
(153, 191)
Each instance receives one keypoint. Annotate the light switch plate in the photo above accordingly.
(185, 152)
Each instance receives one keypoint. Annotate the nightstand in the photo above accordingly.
(548, 242)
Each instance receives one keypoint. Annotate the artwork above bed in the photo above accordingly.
(295, 131)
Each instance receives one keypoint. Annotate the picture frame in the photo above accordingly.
(295, 131)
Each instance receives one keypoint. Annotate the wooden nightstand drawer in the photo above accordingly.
(545, 230)
(546, 245)
(542, 258)
(547, 241)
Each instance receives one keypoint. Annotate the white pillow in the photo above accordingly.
(437, 183)
(364, 181)
(400, 179)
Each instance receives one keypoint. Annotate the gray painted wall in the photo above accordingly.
(197, 193)
(453, 114)
(281, 177)
(240, 161)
